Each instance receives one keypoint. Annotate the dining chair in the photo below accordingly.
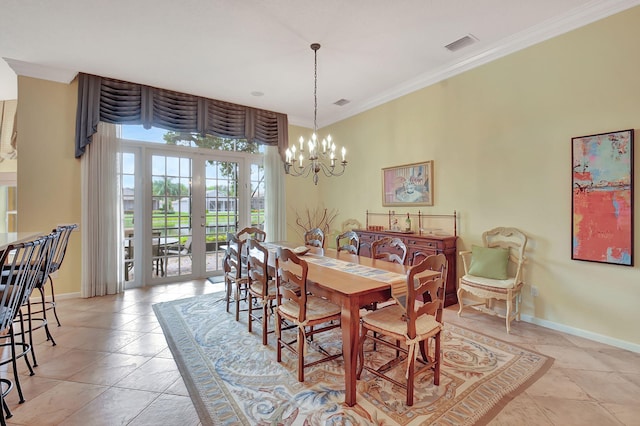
(314, 238)
(21, 267)
(351, 224)
(390, 249)
(495, 272)
(179, 249)
(348, 241)
(261, 287)
(252, 233)
(235, 273)
(418, 256)
(311, 314)
(412, 323)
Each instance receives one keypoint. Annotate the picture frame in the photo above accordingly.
(602, 198)
(408, 185)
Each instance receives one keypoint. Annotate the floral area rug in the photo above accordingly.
(234, 380)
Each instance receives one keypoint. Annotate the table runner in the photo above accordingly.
(395, 280)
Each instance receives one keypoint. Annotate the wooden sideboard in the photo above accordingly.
(427, 244)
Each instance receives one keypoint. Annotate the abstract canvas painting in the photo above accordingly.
(602, 198)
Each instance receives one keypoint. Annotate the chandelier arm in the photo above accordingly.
(299, 171)
(330, 170)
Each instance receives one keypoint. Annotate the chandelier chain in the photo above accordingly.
(315, 90)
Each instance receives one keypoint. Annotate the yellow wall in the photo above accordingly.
(500, 137)
(48, 173)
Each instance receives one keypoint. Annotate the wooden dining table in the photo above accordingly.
(342, 283)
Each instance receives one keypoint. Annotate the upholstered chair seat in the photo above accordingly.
(317, 308)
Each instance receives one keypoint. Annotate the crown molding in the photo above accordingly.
(43, 72)
(576, 18)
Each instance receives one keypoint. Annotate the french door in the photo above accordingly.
(181, 208)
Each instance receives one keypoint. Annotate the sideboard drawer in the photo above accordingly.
(423, 243)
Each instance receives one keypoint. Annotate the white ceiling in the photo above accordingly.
(372, 50)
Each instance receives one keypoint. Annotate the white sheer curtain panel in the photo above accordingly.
(102, 236)
(275, 218)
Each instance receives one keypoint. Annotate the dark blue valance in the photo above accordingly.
(120, 102)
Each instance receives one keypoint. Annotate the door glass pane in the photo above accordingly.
(221, 204)
(128, 193)
(171, 233)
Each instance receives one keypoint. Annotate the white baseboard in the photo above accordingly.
(634, 347)
(68, 296)
(35, 296)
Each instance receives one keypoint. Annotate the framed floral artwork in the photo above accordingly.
(602, 198)
(408, 185)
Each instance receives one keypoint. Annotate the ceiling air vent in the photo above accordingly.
(341, 102)
(460, 43)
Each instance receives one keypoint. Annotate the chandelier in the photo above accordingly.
(321, 156)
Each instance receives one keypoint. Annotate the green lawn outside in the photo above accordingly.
(224, 220)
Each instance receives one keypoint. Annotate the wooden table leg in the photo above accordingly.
(350, 324)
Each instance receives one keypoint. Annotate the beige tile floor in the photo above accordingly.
(111, 366)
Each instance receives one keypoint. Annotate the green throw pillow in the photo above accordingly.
(489, 262)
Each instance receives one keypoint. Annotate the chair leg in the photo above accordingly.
(436, 359)
(410, 379)
(227, 290)
(15, 366)
(278, 337)
(44, 314)
(4, 407)
(459, 293)
(53, 300)
(30, 327)
(363, 337)
(265, 323)
(237, 301)
(508, 314)
(250, 316)
(301, 342)
(424, 350)
(24, 343)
